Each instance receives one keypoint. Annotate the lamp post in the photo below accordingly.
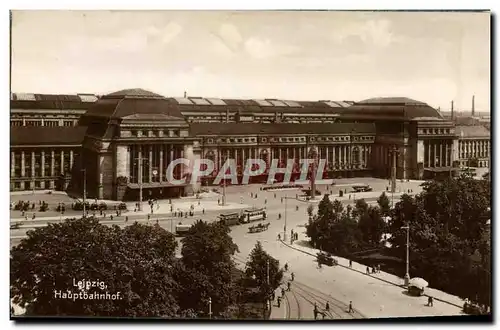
(286, 204)
(209, 307)
(140, 163)
(84, 191)
(394, 153)
(407, 275)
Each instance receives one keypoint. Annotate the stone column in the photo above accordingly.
(446, 157)
(327, 155)
(428, 149)
(181, 151)
(160, 171)
(32, 164)
(43, 163)
(12, 164)
(62, 161)
(52, 163)
(70, 160)
(150, 157)
(435, 154)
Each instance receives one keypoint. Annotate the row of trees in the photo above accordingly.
(139, 262)
(344, 230)
(449, 234)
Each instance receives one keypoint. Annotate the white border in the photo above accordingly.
(186, 4)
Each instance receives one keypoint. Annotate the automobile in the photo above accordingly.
(326, 259)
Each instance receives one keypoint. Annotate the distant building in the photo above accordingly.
(474, 145)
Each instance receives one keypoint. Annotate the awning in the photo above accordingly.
(151, 185)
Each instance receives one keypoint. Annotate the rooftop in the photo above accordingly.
(470, 131)
(46, 135)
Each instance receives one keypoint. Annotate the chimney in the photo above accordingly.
(473, 106)
(452, 112)
(185, 94)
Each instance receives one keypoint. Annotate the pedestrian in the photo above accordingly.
(315, 311)
(251, 195)
(350, 263)
(350, 307)
(279, 237)
(296, 208)
(279, 302)
(203, 211)
(111, 217)
(293, 276)
(265, 201)
(279, 216)
(274, 195)
(126, 218)
(157, 221)
(218, 201)
(378, 268)
(367, 270)
(286, 267)
(149, 216)
(282, 292)
(288, 285)
(327, 307)
(430, 302)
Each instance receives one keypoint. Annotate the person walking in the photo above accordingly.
(315, 311)
(289, 284)
(286, 267)
(351, 310)
(327, 306)
(350, 263)
(293, 276)
(430, 302)
(367, 270)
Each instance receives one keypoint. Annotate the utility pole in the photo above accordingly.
(286, 204)
(407, 275)
(140, 162)
(210, 307)
(224, 178)
(84, 191)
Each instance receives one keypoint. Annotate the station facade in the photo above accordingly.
(125, 140)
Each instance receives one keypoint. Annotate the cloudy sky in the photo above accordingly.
(432, 57)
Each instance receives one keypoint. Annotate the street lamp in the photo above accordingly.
(140, 162)
(84, 191)
(407, 275)
(209, 307)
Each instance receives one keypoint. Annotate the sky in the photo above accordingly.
(431, 57)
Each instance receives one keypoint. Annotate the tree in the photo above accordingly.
(207, 263)
(447, 224)
(385, 204)
(333, 231)
(310, 210)
(135, 261)
(360, 207)
(263, 271)
(372, 226)
(338, 207)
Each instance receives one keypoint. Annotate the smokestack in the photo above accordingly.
(185, 94)
(452, 112)
(473, 106)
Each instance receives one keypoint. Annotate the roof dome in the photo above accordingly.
(391, 100)
(133, 92)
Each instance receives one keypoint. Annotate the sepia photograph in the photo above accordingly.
(256, 165)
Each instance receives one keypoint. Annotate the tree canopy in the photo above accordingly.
(53, 258)
(263, 271)
(207, 265)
